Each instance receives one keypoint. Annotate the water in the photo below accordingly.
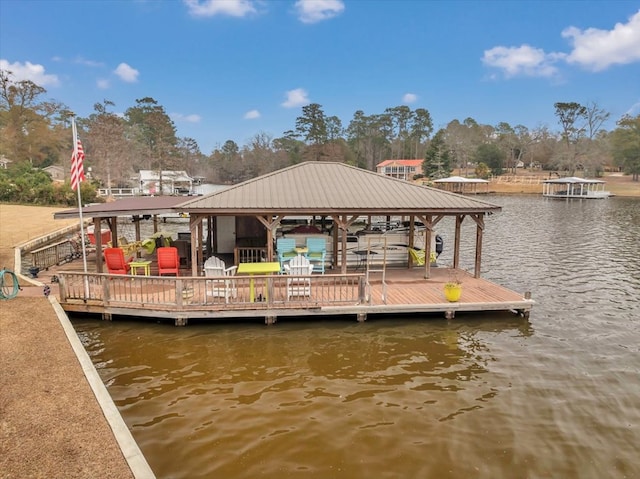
(487, 396)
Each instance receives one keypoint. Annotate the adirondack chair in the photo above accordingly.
(114, 259)
(296, 285)
(168, 260)
(224, 286)
(286, 248)
(316, 253)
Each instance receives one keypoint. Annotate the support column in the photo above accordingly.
(456, 246)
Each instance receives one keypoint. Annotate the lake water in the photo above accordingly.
(481, 396)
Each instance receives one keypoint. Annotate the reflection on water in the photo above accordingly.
(481, 396)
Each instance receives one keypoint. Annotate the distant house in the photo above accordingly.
(173, 182)
(56, 172)
(402, 169)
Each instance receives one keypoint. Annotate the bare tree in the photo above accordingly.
(107, 146)
(572, 117)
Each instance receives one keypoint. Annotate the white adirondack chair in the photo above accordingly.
(297, 285)
(224, 286)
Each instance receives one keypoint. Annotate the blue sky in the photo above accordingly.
(230, 69)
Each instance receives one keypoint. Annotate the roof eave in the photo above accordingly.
(340, 211)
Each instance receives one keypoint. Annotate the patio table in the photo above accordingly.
(145, 265)
(257, 268)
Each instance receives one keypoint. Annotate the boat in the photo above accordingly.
(381, 242)
(574, 187)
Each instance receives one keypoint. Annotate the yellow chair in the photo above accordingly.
(418, 256)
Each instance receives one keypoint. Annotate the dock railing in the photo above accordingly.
(53, 254)
(249, 254)
(169, 293)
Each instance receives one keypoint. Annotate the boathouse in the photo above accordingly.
(254, 212)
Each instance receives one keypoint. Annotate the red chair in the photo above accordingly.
(168, 260)
(114, 259)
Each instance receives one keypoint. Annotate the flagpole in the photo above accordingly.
(84, 249)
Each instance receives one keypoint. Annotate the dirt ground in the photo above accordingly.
(22, 223)
(51, 425)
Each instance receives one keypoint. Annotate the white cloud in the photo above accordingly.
(523, 60)
(210, 8)
(313, 11)
(252, 115)
(29, 71)
(103, 84)
(409, 98)
(127, 73)
(297, 97)
(192, 118)
(89, 63)
(593, 48)
(634, 109)
(598, 49)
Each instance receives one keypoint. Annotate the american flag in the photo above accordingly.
(77, 168)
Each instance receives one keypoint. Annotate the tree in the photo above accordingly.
(437, 159)
(625, 142)
(421, 130)
(334, 137)
(261, 157)
(109, 148)
(541, 146)
(290, 146)
(492, 156)
(367, 136)
(28, 126)
(482, 171)
(21, 183)
(400, 117)
(508, 140)
(312, 127)
(572, 117)
(228, 163)
(156, 132)
(463, 139)
(189, 154)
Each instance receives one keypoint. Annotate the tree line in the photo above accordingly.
(36, 132)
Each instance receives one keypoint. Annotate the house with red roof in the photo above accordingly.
(402, 169)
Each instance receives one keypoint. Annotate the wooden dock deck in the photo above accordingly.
(404, 291)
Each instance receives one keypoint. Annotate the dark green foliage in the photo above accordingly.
(26, 185)
(438, 161)
(482, 171)
(492, 156)
(625, 143)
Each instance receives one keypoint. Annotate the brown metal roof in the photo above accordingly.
(332, 188)
(138, 205)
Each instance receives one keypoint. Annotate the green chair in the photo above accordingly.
(286, 249)
(316, 253)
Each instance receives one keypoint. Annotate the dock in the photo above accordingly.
(402, 291)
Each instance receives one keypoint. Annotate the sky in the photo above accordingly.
(233, 69)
